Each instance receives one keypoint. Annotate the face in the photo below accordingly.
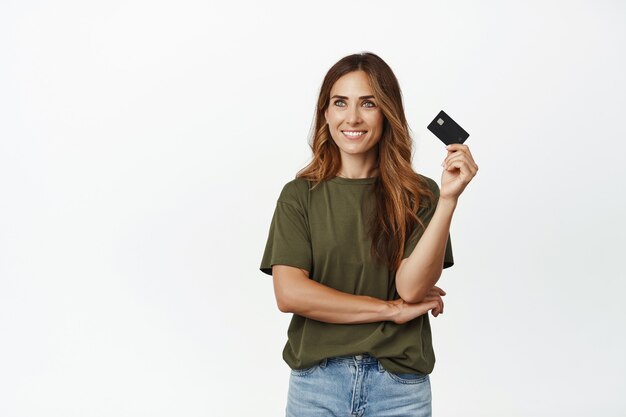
(353, 108)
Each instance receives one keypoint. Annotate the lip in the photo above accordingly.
(354, 138)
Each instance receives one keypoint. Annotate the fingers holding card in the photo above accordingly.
(459, 166)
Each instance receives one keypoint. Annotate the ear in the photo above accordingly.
(326, 115)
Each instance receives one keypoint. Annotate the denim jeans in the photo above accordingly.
(356, 386)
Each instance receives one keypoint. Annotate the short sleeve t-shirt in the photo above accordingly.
(324, 231)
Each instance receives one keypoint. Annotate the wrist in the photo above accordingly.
(390, 311)
(448, 202)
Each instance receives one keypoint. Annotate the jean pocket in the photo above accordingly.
(305, 371)
(408, 378)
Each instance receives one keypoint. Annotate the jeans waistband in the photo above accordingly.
(359, 358)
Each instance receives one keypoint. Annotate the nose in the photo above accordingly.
(353, 117)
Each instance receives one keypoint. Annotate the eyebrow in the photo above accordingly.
(346, 98)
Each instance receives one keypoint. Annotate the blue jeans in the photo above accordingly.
(356, 386)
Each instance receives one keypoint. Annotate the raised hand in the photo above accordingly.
(458, 170)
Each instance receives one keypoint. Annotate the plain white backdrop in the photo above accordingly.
(143, 145)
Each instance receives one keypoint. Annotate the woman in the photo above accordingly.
(356, 245)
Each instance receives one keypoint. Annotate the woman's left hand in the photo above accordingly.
(458, 170)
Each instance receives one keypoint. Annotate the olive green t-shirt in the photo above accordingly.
(324, 231)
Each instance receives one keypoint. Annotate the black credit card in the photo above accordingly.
(447, 129)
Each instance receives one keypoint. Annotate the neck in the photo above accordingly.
(358, 167)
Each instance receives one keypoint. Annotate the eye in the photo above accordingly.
(369, 102)
(337, 101)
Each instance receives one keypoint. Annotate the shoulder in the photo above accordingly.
(295, 192)
(426, 205)
(432, 184)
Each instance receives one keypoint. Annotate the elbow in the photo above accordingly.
(413, 293)
(410, 294)
(412, 297)
(283, 301)
(283, 305)
(287, 283)
(283, 293)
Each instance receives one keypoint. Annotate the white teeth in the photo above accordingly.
(354, 134)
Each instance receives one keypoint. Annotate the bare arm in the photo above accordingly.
(422, 269)
(418, 273)
(296, 293)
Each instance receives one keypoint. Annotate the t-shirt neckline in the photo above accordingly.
(342, 180)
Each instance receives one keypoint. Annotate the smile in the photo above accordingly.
(354, 133)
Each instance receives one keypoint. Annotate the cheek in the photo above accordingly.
(378, 122)
(331, 118)
(376, 118)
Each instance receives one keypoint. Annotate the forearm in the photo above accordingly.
(311, 299)
(422, 269)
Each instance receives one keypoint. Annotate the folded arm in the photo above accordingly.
(418, 273)
(297, 293)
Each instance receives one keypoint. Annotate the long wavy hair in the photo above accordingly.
(399, 191)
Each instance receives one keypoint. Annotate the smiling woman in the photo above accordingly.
(339, 234)
(355, 123)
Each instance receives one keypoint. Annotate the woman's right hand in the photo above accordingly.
(408, 311)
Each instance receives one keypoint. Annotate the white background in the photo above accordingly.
(143, 145)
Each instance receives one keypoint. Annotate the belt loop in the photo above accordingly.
(380, 367)
(323, 363)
